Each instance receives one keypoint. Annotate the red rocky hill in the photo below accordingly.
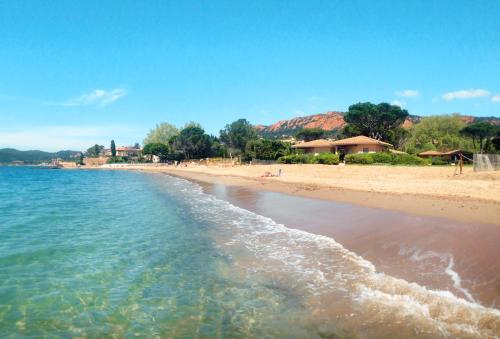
(334, 121)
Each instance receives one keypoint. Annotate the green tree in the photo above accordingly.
(193, 142)
(113, 149)
(440, 133)
(80, 160)
(137, 145)
(309, 134)
(237, 134)
(399, 137)
(374, 121)
(162, 133)
(266, 149)
(94, 151)
(156, 148)
(480, 133)
(496, 140)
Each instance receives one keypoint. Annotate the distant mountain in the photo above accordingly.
(329, 121)
(9, 155)
(334, 121)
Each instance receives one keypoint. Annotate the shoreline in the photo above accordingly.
(463, 209)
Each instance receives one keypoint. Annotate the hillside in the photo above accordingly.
(334, 121)
(8, 155)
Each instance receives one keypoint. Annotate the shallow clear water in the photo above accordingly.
(98, 253)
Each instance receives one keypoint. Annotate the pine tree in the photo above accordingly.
(113, 149)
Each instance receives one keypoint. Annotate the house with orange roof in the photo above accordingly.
(124, 151)
(359, 144)
(453, 155)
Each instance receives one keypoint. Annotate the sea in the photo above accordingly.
(103, 253)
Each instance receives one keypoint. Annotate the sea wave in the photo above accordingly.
(335, 283)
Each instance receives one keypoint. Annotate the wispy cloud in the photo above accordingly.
(408, 93)
(398, 103)
(98, 97)
(495, 98)
(466, 94)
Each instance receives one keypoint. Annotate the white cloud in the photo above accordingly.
(408, 93)
(97, 97)
(398, 103)
(56, 138)
(466, 94)
(495, 98)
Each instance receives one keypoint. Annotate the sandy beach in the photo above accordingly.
(422, 224)
(430, 191)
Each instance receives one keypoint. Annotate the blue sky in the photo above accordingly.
(73, 73)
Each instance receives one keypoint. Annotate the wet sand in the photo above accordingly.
(437, 253)
(402, 195)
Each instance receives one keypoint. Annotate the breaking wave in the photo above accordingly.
(335, 284)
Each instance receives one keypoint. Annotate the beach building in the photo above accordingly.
(430, 154)
(451, 156)
(124, 151)
(359, 144)
(315, 146)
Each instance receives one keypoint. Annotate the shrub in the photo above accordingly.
(408, 159)
(438, 162)
(323, 158)
(360, 158)
(326, 159)
(115, 160)
(384, 158)
(292, 159)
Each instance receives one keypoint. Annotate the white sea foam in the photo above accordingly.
(448, 262)
(323, 266)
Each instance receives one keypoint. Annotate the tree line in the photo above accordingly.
(379, 121)
(237, 139)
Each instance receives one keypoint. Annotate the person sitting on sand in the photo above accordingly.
(267, 174)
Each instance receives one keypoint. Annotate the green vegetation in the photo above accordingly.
(266, 149)
(8, 155)
(384, 158)
(310, 134)
(80, 161)
(193, 142)
(438, 162)
(158, 149)
(322, 158)
(375, 121)
(237, 134)
(437, 133)
(113, 149)
(380, 121)
(116, 160)
(162, 133)
(480, 133)
(94, 151)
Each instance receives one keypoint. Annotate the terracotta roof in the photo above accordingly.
(359, 140)
(125, 148)
(431, 152)
(452, 152)
(314, 143)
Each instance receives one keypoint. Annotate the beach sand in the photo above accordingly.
(429, 191)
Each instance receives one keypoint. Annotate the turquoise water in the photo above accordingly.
(120, 253)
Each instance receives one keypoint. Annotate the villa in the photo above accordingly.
(452, 156)
(359, 144)
(124, 151)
